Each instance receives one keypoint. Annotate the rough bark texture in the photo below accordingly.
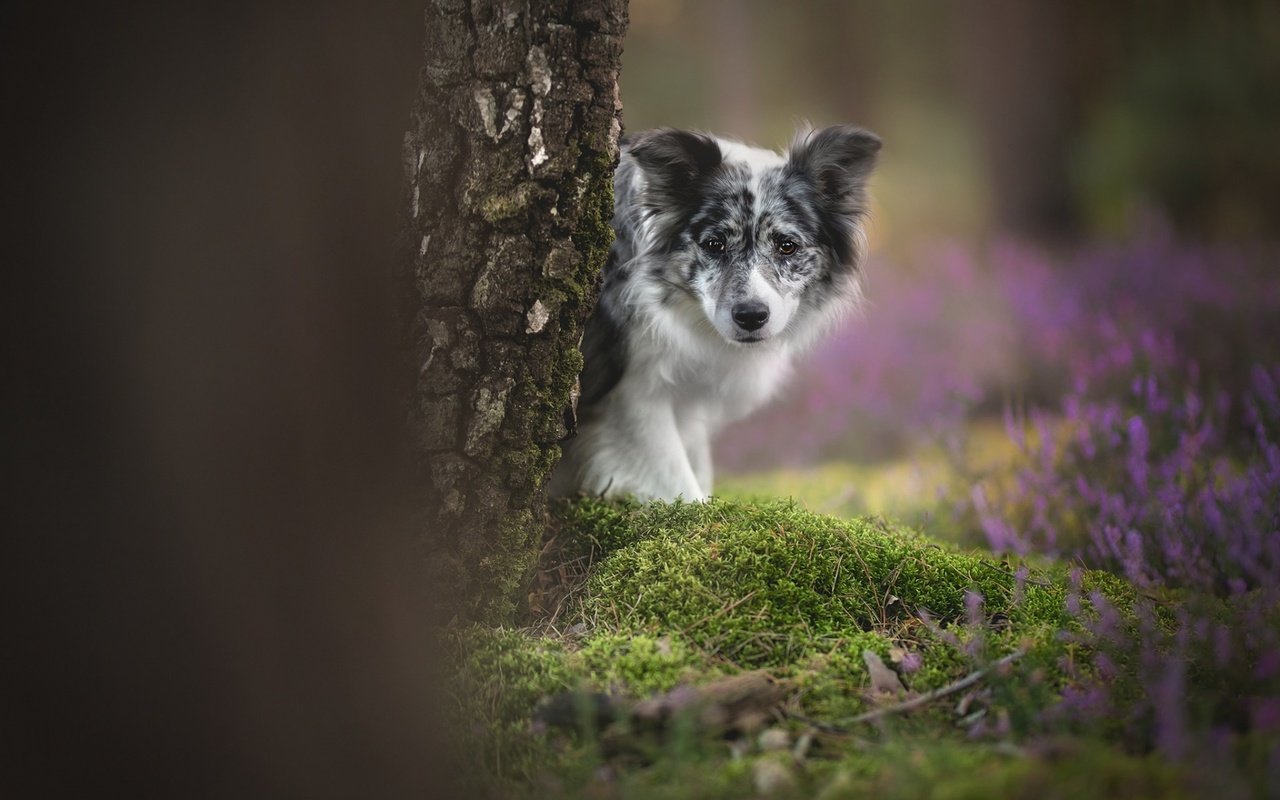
(510, 160)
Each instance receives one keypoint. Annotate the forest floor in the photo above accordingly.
(1070, 587)
(808, 647)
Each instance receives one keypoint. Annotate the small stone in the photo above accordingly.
(771, 776)
(773, 739)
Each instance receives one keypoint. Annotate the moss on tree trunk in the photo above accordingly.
(510, 159)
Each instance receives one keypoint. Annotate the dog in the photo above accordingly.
(728, 261)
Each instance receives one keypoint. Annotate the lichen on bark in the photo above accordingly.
(509, 162)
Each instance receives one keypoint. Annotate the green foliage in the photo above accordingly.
(682, 593)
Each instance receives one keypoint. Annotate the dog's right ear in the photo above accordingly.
(675, 163)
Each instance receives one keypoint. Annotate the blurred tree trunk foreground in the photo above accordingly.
(509, 157)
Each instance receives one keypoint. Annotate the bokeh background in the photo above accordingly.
(1056, 177)
(1073, 231)
(1071, 346)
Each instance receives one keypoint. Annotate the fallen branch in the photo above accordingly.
(842, 726)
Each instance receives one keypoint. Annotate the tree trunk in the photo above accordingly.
(1014, 71)
(510, 160)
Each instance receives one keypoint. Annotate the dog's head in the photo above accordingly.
(759, 240)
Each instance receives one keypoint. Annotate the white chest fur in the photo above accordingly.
(651, 437)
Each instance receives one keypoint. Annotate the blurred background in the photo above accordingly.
(211, 573)
(1047, 119)
(1056, 176)
(207, 509)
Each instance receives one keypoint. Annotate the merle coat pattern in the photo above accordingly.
(728, 261)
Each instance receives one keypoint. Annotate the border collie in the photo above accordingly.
(728, 261)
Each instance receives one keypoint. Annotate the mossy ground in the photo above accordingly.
(666, 595)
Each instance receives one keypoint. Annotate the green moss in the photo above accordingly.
(595, 526)
(500, 676)
(536, 462)
(1042, 602)
(521, 461)
(505, 672)
(640, 665)
(505, 569)
(593, 235)
(945, 767)
(832, 684)
(682, 593)
(503, 206)
(763, 585)
(1119, 592)
(701, 772)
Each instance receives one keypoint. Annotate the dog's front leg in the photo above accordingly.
(660, 467)
(696, 437)
(631, 447)
(636, 449)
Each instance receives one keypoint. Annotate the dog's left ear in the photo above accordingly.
(837, 160)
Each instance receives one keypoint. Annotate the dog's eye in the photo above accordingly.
(787, 247)
(714, 245)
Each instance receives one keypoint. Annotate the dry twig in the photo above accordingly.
(842, 726)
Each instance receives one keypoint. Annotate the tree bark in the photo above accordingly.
(510, 159)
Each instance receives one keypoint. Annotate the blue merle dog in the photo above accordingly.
(728, 261)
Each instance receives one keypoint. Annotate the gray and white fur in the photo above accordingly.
(728, 261)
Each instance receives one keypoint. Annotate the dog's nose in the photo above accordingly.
(751, 316)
